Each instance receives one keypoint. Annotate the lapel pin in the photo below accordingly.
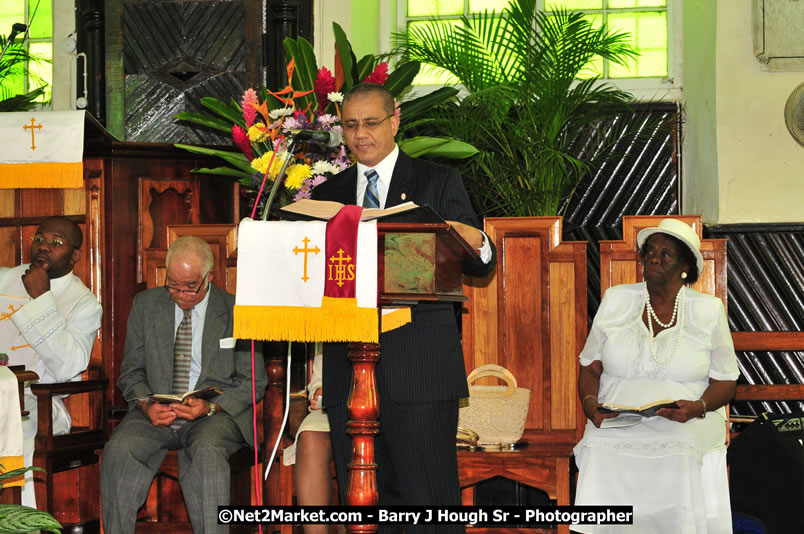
(404, 196)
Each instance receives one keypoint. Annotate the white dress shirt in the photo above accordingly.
(385, 171)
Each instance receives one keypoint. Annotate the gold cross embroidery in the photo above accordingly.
(7, 316)
(306, 251)
(341, 264)
(31, 127)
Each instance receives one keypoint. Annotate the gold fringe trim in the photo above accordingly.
(42, 175)
(395, 319)
(337, 319)
(10, 463)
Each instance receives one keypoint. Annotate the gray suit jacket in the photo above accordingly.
(147, 366)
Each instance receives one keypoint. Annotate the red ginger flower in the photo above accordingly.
(249, 110)
(323, 85)
(240, 138)
(379, 75)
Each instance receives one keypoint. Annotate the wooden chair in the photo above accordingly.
(14, 495)
(530, 317)
(620, 262)
(68, 488)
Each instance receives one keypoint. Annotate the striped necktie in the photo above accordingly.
(372, 197)
(182, 354)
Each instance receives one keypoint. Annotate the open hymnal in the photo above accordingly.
(324, 210)
(166, 398)
(646, 410)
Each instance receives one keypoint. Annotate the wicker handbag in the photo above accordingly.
(496, 413)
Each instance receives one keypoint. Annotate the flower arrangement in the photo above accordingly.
(260, 123)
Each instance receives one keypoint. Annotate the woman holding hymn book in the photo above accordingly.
(657, 369)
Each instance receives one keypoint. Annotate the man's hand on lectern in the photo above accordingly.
(470, 234)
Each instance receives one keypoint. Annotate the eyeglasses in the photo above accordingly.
(55, 243)
(369, 124)
(187, 291)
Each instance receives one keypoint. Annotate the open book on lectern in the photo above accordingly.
(324, 210)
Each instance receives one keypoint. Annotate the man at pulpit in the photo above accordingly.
(421, 374)
(179, 339)
(48, 322)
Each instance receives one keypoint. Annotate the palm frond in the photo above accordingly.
(527, 108)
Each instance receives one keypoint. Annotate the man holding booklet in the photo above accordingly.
(421, 374)
(179, 339)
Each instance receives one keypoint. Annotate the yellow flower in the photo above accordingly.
(261, 164)
(258, 133)
(296, 174)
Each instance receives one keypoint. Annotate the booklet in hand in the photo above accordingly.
(324, 210)
(646, 410)
(205, 393)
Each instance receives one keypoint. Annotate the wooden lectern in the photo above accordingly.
(416, 263)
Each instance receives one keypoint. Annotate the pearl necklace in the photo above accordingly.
(680, 304)
(652, 313)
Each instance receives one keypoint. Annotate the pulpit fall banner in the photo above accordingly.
(307, 281)
(42, 149)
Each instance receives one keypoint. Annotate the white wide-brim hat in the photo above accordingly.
(680, 230)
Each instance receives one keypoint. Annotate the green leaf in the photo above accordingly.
(402, 77)
(236, 159)
(203, 120)
(224, 171)
(347, 57)
(441, 147)
(234, 114)
(365, 66)
(304, 73)
(15, 518)
(427, 101)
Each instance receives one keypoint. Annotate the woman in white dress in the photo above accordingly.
(312, 452)
(659, 340)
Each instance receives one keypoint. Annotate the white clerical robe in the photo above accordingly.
(52, 335)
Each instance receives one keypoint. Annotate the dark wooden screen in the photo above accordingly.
(163, 56)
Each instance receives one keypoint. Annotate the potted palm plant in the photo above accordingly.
(535, 107)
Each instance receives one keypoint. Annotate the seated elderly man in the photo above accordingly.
(179, 339)
(49, 322)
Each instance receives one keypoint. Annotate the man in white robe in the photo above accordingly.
(48, 322)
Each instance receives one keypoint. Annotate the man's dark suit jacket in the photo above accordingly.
(147, 366)
(421, 361)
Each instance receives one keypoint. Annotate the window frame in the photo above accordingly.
(668, 88)
(30, 40)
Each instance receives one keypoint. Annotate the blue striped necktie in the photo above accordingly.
(372, 197)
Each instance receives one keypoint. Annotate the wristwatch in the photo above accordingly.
(212, 409)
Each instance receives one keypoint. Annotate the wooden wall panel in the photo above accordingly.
(563, 350)
(40, 202)
(9, 246)
(520, 323)
(530, 317)
(7, 202)
(75, 201)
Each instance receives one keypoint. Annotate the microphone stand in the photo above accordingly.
(279, 178)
